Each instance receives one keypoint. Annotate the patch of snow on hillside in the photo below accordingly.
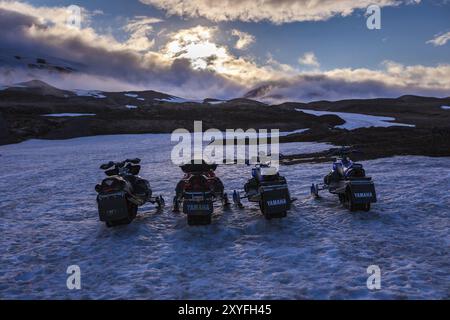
(293, 132)
(61, 115)
(357, 120)
(304, 147)
(128, 106)
(445, 107)
(174, 99)
(90, 93)
(216, 102)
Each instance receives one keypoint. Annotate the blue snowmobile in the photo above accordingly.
(348, 180)
(267, 188)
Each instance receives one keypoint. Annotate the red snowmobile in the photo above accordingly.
(197, 191)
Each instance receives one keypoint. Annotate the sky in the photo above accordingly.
(273, 50)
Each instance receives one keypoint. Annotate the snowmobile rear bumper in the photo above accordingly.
(275, 199)
(112, 206)
(198, 204)
(362, 190)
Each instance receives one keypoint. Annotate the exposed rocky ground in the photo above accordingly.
(373, 143)
(25, 110)
(430, 135)
(420, 111)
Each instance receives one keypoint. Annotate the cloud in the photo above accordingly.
(440, 39)
(192, 63)
(244, 39)
(309, 59)
(48, 15)
(392, 80)
(276, 11)
(197, 44)
(100, 58)
(140, 29)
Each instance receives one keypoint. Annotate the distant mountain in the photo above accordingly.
(134, 98)
(258, 92)
(40, 88)
(16, 59)
(264, 94)
(278, 92)
(245, 101)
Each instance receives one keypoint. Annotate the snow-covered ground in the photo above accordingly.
(49, 221)
(304, 147)
(445, 107)
(59, 115)
(134, 95)
(293, 132)
(90, 93)
(217, 102)
(357, 120)
(174, 99)
(129, 106)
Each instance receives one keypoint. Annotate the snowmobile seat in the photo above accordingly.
(107, 166)
(140, 186)
(198, 168)
(134, 168)
(356, 170)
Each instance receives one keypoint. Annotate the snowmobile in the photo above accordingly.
(268, 188)
(122, 192)
(197, 192)
(348, 180)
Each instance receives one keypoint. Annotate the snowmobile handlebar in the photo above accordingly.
(134, 161)
(247, 162)
(198, 167)
(122, 164)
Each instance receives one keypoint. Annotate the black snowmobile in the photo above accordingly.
(348, 180)
(122, 192)
(197, 192)
(267, 188)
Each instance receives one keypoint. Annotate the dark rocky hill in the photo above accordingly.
(25, 110)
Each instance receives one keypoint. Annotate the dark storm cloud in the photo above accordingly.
(322, 87)
(25, 35)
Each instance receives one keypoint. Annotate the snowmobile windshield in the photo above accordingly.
(347, 163)
(268, 171)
